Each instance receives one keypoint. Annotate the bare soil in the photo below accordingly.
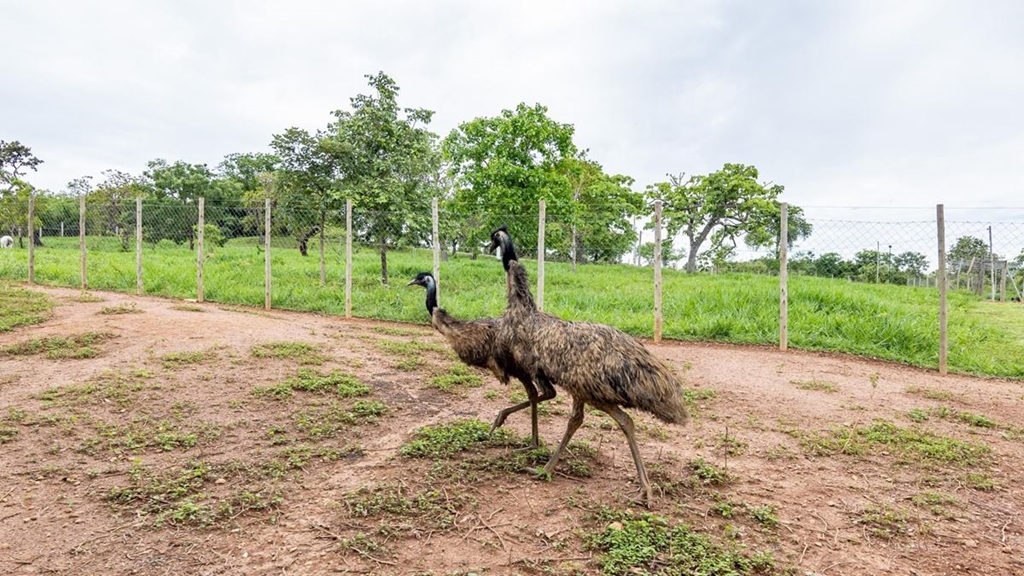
(156, 456)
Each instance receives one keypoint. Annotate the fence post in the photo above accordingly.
(657, 271)
(437, 250)
(138, 245)
(992, 263)
(199, 249)
(784, 276)
(940, 279)
(31, 238)
(266, 254)
(348, 258)
(1002, 281)
(323, 258)
(540, 255)
(81, 237)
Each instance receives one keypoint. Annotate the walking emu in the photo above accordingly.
(6, 242)
(597, 364)
(476, 343)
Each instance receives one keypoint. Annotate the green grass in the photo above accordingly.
(895, 323)
(817, 385)
(633, 543)
(455, 379)
(303, 352)
(57, 347)
(911, 445)
(20, 307)
(446, 439)
(307, 380)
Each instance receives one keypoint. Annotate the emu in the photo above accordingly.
(6, 242)
(475, 342)
(597, 364)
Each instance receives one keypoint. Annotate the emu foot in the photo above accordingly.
(538, 473)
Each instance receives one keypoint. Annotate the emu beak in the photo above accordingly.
(411, 283)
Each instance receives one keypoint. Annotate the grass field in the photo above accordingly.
(889, 322)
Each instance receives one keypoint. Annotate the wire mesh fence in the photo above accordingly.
(331, 260)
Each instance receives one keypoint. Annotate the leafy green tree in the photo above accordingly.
(669, 255)
(15, 159)
(599, 220)
(911, 264)
(763, 230)
(387, 161)
(174, 191)
(111, 205)
(306, 193)
(503, 165)
(14, 210)
(967, 248)
(832, 265)
(719, 207)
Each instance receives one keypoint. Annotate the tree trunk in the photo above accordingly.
(572, 248)
(691, 258)
(384, 264)
(304, 240)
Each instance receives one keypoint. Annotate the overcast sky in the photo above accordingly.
(846, 103)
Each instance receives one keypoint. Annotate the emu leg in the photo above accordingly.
(574, 423)
(546, 393)
(626, 424)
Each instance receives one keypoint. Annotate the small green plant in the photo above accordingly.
(936, 502)
(446, 439)
(7, 434)
(307, 380)
(918, 414)
(979, 420)
(816, 385)
(765, 516)
(188, 308)
(707, 474)
(910, 445)
(885, 521)
(458, 376)
(980, 481)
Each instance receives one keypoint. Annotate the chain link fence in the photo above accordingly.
(342, 259)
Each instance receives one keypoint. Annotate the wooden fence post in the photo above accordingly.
(31, 238)
(323, 257)
(437, 250)
(657, 271)
(199, 249)
(940, 279)
(266, 254)
(138, 245)
(81, 238)
(784, 276)
(1002, 281)
(540, 255)
(348, 258)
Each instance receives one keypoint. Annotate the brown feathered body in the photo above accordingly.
(595, 363)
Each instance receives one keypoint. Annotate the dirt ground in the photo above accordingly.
(167, 449)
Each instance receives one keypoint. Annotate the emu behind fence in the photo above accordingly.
(350, 261)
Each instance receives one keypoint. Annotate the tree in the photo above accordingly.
(306, 192)
(111, 201)
(669, 255)
(15, 158)
(386, 160)
(503, 165)
(718, 207)
(14, 211)
(174, 191)
(967, 248)
(763, 231)
(601, 207)
(911, 263)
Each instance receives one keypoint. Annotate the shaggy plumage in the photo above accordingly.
(476, 344)
(597, 364)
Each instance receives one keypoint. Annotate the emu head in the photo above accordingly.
(424, 279)
(498, 237)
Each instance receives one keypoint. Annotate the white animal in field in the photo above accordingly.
(6, 242)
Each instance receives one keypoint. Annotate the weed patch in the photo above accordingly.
(57, 347)
(121, 388)
(301, 351)
(20, 307)
(816, 385)
(307, 380)
(444, 440)
(885, 521)
(648, 544)
(126, 308)
(327, 421)
(910, 445)
(457, 377)
(180, 359)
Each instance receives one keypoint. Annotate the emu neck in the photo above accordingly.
(431, 297)
(508, 252)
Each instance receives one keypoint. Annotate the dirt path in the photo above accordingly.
(174, 447)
